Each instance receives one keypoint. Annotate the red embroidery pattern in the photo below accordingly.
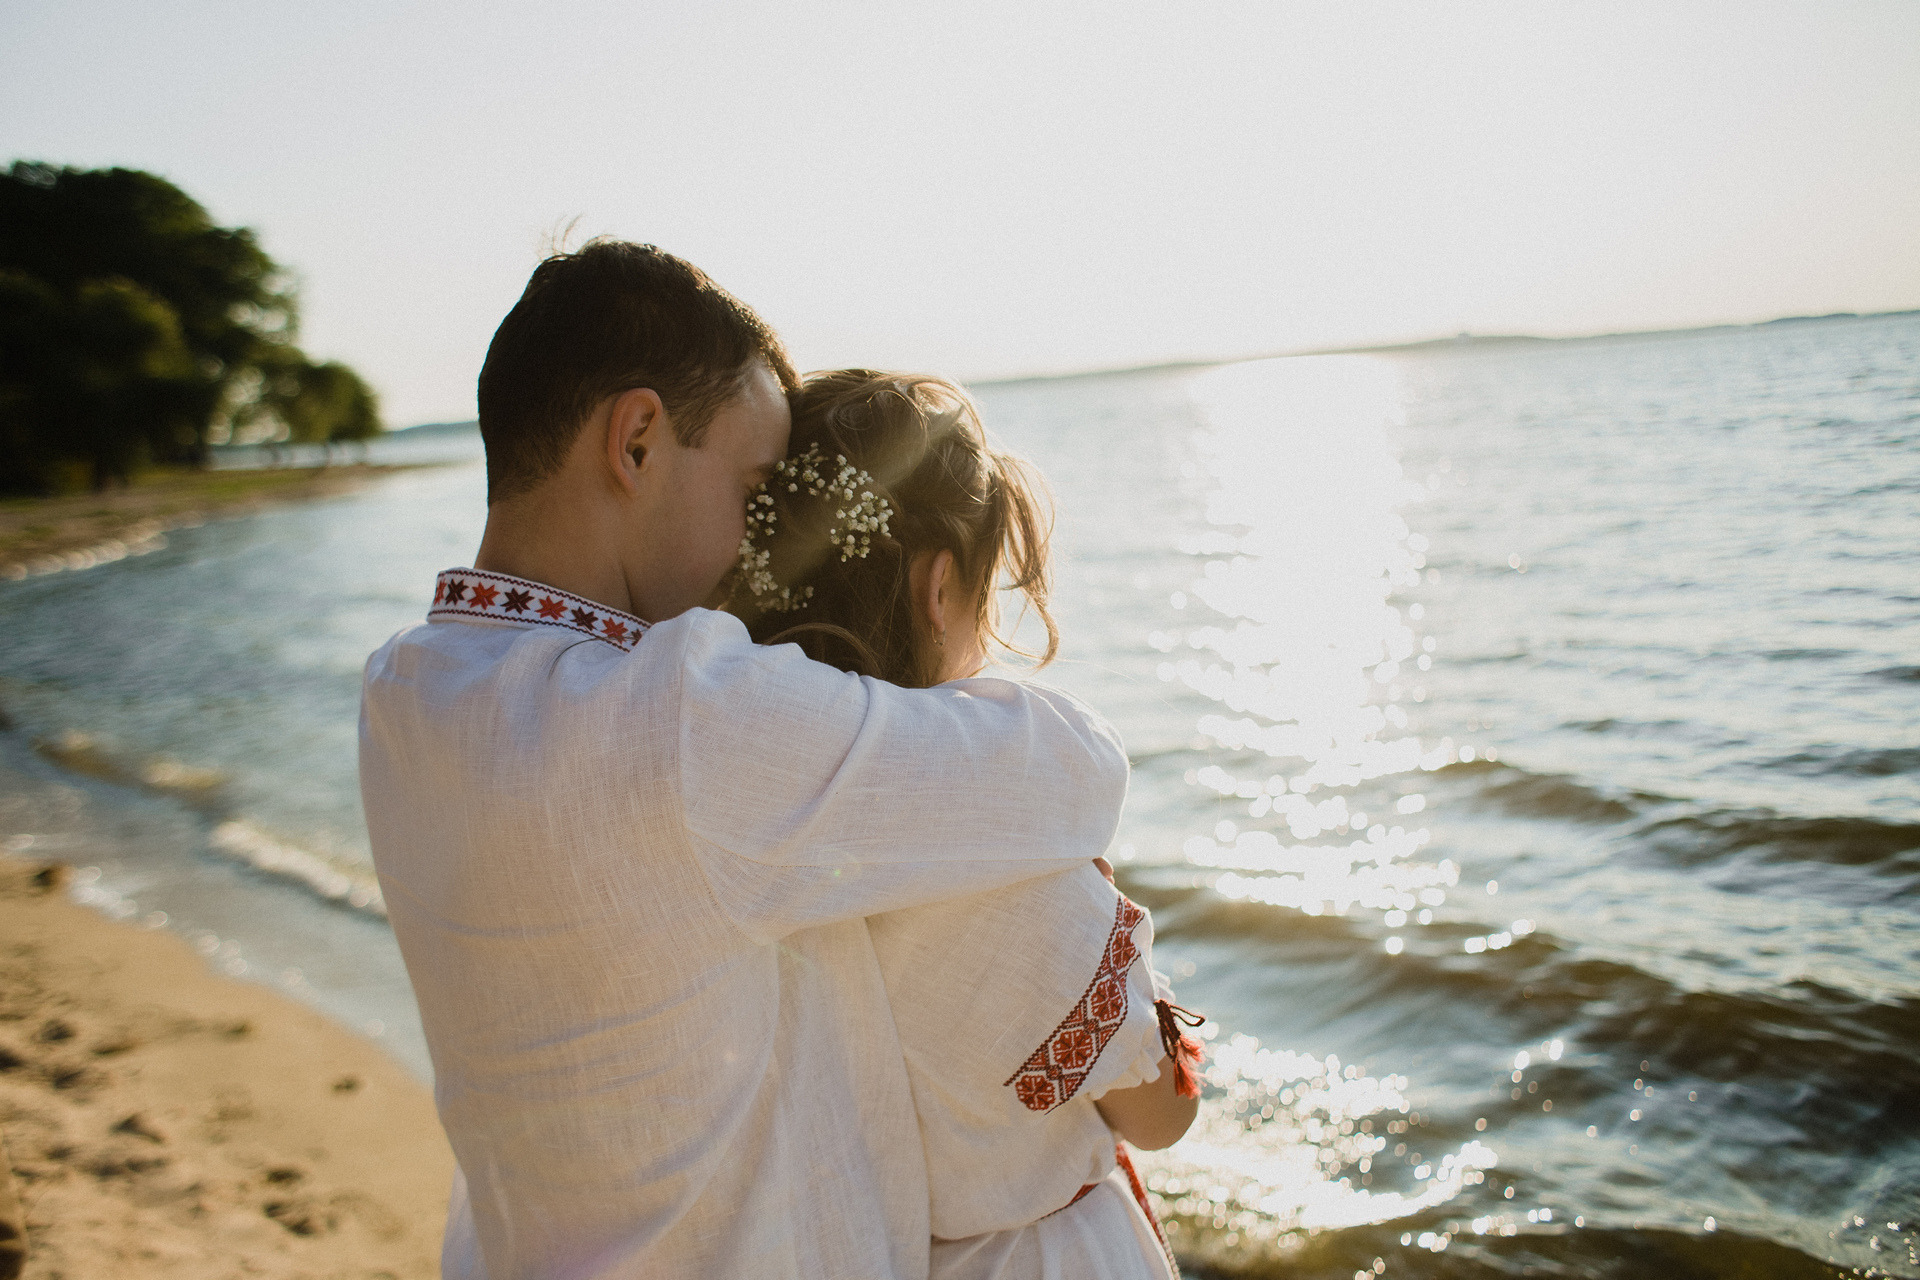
(1078, 1196)
(473, 593)
(1060, 1066)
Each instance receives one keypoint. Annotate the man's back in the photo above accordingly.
(658, 1032)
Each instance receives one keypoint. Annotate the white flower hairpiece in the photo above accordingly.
(861, 514)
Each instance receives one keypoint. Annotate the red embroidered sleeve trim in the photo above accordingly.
(1061, 1065)
(475, 593)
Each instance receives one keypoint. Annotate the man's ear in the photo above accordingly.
(637, 423)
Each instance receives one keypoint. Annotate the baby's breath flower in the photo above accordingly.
(866, 514)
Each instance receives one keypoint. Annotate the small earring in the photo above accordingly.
(941, 639)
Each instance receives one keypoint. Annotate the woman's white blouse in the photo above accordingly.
(1016, 1008)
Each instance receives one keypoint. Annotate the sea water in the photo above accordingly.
(1526, 747)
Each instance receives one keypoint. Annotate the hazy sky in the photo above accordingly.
(991, 188)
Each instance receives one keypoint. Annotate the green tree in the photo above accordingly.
(96, 378)
(320, 403)
(133, 325)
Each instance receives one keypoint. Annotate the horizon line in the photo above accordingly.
(1457, 342)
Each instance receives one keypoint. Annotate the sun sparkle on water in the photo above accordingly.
(1310, 658)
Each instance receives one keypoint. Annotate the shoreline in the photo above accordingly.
(163, 1120)
(77, 531)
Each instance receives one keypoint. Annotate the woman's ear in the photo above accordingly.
(933, 583)
(635, 424)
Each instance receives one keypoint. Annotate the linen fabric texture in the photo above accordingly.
(629, 890)
(983, 986)
(1105, 1236)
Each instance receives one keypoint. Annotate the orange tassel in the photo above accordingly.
(1185, 1051)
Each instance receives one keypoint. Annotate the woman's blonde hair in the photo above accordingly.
(921, 441)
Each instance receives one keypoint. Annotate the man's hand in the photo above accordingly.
(1106, 868)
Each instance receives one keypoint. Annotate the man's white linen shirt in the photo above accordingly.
(629, 882)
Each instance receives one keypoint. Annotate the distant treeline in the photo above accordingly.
(134, 331)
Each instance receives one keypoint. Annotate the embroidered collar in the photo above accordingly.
(475, 593)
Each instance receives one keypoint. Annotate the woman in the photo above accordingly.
(1031, 1023)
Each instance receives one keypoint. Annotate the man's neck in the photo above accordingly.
(557, 544)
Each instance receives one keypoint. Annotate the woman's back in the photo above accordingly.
(880, 545)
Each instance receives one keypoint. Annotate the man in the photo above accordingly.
(627, 853)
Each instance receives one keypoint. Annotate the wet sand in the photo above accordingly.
(162, 1121)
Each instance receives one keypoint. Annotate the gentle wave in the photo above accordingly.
(1635, 1058)
(354, 888)
(1501, 1245)
(1830, 1048)
(1547, 795)
(1625, 727)
(1885, 763)
(200, 789)
(1822, 1062)
(1888, 848)
(1805, 655)
(205, 792)
(1711, 835)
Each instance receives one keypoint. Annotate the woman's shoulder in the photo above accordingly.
(1026, 932)
(986, 978)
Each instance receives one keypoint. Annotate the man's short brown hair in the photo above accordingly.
(609, 318)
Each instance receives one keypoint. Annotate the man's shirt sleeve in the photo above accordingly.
(813, 795)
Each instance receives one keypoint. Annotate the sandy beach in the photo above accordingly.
(163, 1121)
